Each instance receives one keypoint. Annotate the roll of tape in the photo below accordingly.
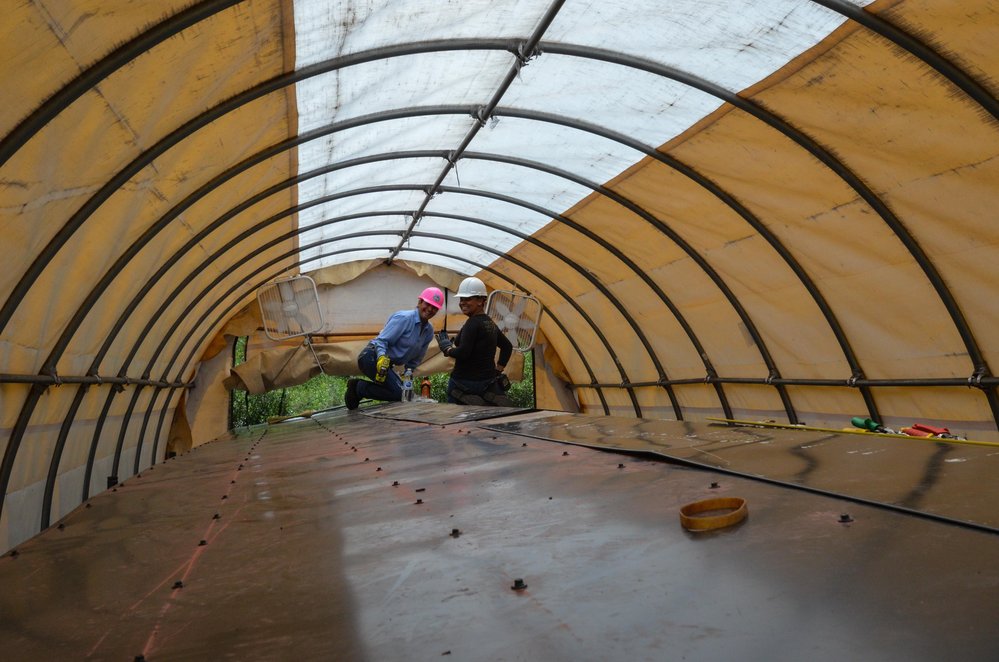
(692, 521)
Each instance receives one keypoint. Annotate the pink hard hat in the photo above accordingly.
(433, 296)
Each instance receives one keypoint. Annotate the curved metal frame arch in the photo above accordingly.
(482, 267)
(850, 10)
(96, 438)
(133, 250)
(49, 366)
(364, 57)
(841, 6)
(933, 59)
(868, 20)
(223, 250)
(183, 316)
(285, 238)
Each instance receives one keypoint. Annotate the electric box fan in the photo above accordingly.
(290, 309)
(517, 316)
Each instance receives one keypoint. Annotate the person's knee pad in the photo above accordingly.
(497, 399)
(466, 398)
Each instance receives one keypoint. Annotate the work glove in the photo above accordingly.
(382, 366)
(444, 342)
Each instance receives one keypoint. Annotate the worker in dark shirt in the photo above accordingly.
(477, 377)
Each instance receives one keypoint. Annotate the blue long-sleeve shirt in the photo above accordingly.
(404, 338)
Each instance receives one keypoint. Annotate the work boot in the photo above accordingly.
(350, 398)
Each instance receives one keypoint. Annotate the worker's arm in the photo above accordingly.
(505, 350)
(464, 343)
(390, 333)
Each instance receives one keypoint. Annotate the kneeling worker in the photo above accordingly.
(478, 374)
(403, 341)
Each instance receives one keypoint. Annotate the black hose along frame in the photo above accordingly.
(981, 377)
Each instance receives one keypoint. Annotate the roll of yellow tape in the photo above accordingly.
(692, 521)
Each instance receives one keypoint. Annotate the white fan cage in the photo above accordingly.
(517, 315)
(290, 308)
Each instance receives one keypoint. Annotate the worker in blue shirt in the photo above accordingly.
(403, 341)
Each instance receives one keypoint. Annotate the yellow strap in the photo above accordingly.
(788, 426)
(692, 522)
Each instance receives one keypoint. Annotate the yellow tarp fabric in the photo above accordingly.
(119, 290)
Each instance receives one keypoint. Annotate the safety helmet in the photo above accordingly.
(472, 287)
(433, 296)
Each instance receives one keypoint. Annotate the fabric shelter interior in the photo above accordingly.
(774, 209)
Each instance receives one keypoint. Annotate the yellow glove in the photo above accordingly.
(382, 368)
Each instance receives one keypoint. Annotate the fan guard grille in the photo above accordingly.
(517, 316)
(290, 308)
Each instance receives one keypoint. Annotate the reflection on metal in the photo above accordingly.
(438, 413)
(930, 478)
(513, 553)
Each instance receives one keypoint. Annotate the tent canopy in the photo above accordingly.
(772, 209)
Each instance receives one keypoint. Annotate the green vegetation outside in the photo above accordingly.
(325, 391)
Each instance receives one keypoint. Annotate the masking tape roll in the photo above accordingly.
(691, 522)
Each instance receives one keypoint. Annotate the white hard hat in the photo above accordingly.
(472, 287)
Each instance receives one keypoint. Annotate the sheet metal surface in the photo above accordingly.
(940, 478)
(438, 413)
(316, 555)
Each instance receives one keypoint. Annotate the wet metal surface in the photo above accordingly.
(351, 537)
(949, 480)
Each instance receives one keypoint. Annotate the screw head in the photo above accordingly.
(845, 518)
(455, 533)
(395, 483)
(202, 543)
(620, 465)
(564, 453)
(178, 584)
(518, 585)
(714, 486)
(419, 501)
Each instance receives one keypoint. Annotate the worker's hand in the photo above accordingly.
(502, 381)
(382, 368)
(444, 342)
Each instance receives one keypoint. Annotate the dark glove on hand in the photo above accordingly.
(502, 381)
(444, 342)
